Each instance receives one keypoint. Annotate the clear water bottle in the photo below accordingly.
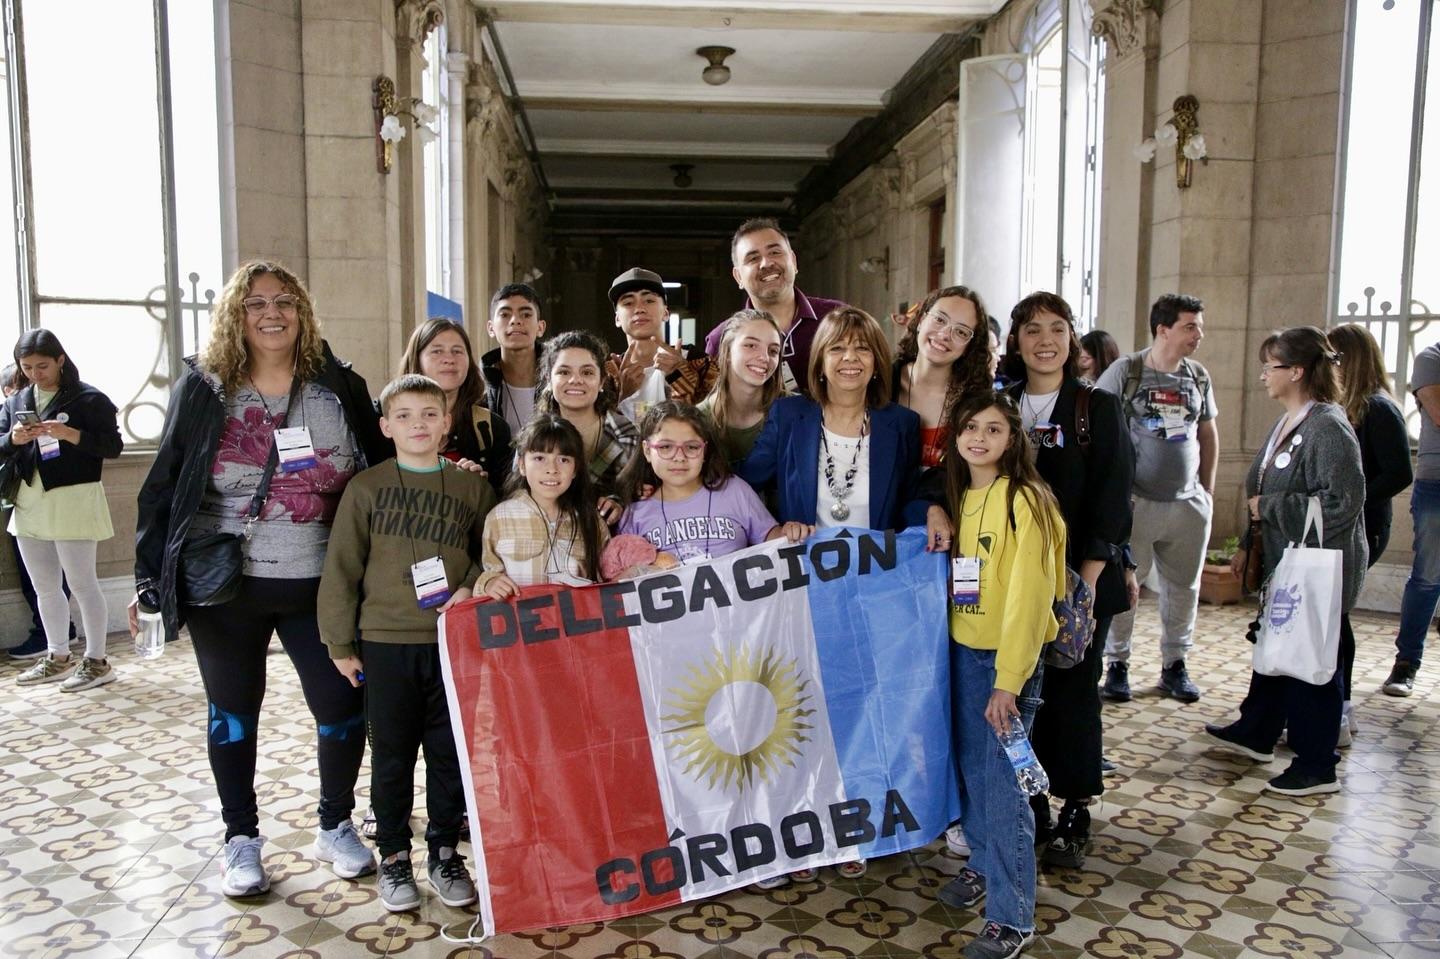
(150, 641)
(1028, 771)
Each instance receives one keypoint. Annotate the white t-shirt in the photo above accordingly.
(844, 450)
(1037, 408)
(519, 406)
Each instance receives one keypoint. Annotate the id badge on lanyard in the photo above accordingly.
(965, 580)
(293, 445)
(432, 588)
(49, 447)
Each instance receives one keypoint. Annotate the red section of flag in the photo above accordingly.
(565, 784)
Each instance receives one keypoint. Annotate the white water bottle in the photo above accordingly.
(150, 641)
(1028, 771)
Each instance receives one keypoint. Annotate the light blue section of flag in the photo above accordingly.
(882, 640)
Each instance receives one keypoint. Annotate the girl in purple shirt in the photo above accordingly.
(682, 497)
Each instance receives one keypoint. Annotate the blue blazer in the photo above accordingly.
(786, 458)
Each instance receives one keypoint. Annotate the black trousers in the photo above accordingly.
(1377, 540)
(1309, 713)
(1068, 736)
(405, 710)
(231, 641)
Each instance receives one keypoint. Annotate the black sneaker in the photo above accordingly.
(35, 646)
(1292, 782)
(1230, 741)
(1071, 841)
(997, 942)
(1116, 687)
(964, 891)
(1176, 684)
(1401, 681)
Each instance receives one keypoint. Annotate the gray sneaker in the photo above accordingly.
(91, 673)
(449, 877)
(47, 670)
(348, 856)
(244, 873)
(398, 891)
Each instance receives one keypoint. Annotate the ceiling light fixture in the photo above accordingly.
(682, 174)
(717, 72)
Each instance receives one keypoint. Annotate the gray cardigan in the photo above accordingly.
(1325, 463)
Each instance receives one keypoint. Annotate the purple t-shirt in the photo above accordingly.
(706, 524)
(795, 351)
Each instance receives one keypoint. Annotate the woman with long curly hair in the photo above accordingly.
(264, 430)
(944, 355)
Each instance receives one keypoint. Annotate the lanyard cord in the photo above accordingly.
(290, 398)
(552, 540)
(984, 502)
(405, 505)
(709, 501)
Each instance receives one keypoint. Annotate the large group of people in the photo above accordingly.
(1047, 465)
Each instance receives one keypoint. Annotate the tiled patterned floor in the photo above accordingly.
(108, 841)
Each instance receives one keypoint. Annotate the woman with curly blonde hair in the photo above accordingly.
(264, 430)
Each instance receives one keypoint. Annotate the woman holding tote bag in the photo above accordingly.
(1312, 453)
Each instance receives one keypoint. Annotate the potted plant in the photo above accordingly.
(1218, 584)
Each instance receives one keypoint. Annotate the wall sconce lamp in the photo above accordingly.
(531, 275)
(389, 128)
(1183, 133)
(878, 264)
(717, 73)
(682, 174)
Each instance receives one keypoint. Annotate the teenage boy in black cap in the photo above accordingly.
(641, 310)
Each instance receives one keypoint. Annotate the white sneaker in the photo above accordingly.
(342, 847)
(47, 670)
(244, 873)
(955, 839)
(89, 674)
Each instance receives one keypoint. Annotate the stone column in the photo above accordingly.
(457, 65)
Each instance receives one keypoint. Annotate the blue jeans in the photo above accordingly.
(995, 814)
(1422, 589)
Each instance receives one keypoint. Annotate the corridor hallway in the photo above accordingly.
(108, 827)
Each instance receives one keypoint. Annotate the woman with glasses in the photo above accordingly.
(944, 355)
(1084, 452)
(1311, 453)
(265, 428)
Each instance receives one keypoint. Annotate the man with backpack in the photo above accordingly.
(1169, 404)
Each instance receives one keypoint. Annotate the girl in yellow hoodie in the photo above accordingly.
(1008, 568)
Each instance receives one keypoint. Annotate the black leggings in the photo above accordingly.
(231, 641)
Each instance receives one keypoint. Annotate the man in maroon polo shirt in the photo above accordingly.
(764, 267)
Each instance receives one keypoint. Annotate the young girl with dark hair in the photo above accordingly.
(55, 433)
(697, 510)
(546, 530)
(1008, 570)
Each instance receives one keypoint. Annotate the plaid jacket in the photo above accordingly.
(517, 543)
(618, 439)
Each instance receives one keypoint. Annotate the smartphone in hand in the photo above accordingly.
(28, 417)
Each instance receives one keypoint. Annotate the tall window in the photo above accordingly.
(115, 220)
(1390, 226)
(435, 90)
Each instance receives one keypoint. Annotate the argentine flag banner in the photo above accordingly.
(635, 745)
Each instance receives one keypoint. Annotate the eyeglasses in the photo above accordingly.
(284, 302)
(666, 450)
(956, 328)
(1267, 368)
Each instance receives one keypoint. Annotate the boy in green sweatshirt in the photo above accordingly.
(405, 539)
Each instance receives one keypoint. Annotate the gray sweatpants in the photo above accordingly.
(1173, 536)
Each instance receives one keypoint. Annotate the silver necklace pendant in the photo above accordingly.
(839, 511)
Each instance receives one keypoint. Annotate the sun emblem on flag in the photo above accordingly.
(740, 716)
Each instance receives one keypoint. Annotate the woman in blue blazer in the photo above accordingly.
(849, 456)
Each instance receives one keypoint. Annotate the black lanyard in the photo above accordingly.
(984, 503)
(405, 505)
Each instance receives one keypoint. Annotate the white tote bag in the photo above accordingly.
(1300, 620)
